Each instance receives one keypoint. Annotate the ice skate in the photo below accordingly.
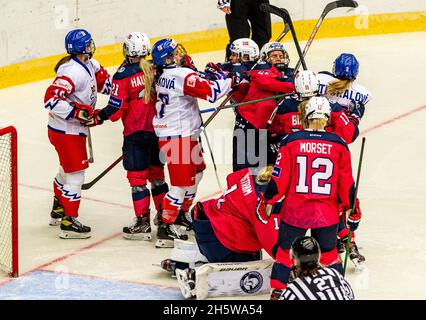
(186, 280)
(57, 213)
(357, 258)
(184, 219)
(166, 234)
(71, 228)
(139, 230)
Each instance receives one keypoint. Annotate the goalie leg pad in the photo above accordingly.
(188, 252)
(233, 279)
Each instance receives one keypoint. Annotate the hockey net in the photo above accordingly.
(8, 201)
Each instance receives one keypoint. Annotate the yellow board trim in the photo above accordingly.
(212, 40)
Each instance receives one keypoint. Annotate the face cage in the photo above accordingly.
(90, 48)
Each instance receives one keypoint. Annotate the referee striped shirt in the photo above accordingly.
(327, 284)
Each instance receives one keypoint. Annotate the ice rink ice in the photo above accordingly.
(392, 234)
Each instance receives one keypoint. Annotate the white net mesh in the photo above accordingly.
(6, 202)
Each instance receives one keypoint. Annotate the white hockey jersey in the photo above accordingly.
(177, 107)
(75, 82)
(355, 92)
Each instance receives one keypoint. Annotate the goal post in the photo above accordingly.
(9, 201)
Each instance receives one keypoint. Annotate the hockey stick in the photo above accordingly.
(203, 129)
(99, 177)
(329, 7)
(354, 204)
(283, 13)
(89, 143)
(214, 109)
(224, 102)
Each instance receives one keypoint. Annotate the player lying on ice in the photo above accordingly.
(230, 235)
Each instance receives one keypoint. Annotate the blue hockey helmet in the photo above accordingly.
(162, 49)
(346, 66)
(79, 41)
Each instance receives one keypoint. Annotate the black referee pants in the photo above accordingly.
(246, 13)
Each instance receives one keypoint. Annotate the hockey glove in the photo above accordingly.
(82, 112)
(95, 120)
(214, 72)
(355, 218)
(237, 79)
(263, 210)
(356, 109)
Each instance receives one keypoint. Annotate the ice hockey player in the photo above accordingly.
(287, 118)
(342, 123)
(340, 86)
(229, 229)
(177, 124)
(313, 281)
(71, 100)
(268, 78)
(134, 103)
(243, 57)
(313, 171)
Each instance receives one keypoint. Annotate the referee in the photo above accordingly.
(243, 14)
(313, 282)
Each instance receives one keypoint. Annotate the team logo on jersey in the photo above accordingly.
(251, 282)
(191, 81)
(277, 172)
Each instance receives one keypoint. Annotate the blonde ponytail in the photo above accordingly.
(337, 87)
(316, 124)
(265, 175)
(148, 72)
(301, 112)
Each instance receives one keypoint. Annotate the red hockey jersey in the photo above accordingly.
(313, 171)
(265, 81)
(233, 217)
(127, 98)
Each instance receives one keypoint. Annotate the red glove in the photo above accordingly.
(95, 120)
(263, 210)
(82, 112)
(355, 218)
(101, 76)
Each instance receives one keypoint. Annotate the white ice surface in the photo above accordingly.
(392, 188)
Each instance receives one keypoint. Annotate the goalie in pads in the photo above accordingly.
(230, 233)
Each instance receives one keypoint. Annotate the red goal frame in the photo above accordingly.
(14, 193)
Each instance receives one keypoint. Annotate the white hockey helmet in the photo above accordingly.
(317, 108)
(245, 47)
(136, 44)
(306, 83)
(269, 47)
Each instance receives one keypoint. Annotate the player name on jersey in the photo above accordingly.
(246, 185)
(323, 148)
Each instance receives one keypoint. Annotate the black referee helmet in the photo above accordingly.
(306, 252)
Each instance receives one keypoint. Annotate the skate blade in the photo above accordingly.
(359, 266)
(74, 235)
(139, 236)
(164, 243)
(55, 222)
(184, 286)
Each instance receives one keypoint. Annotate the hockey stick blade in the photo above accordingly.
(266, 7)
(90, 184)
(340, 4)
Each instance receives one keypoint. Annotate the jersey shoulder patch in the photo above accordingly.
(126, 71)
